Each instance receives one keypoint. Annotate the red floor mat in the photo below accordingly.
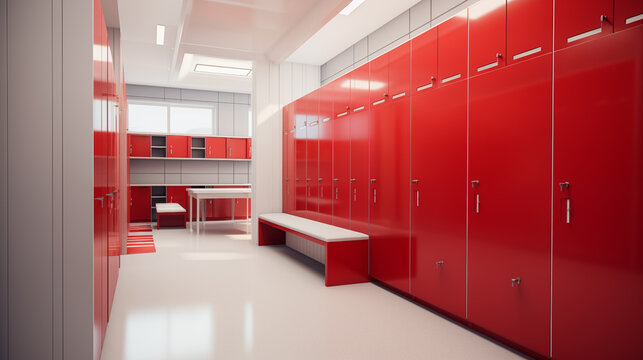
(141, 243)
(138, 228)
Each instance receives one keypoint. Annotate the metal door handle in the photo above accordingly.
(568, 211)
(498, 55)
(171, 149)
(320, 179)
(101, 200)
(352, 180)
(355, 194)
(296, 180)
(336, 193)
(230, 152)
(432, 78)
(415, 181)
(564, 185)
(417, 198)
(375, 196)
(439, 263)
(604, 18)
(477, 203)
(475, 183)
(335, 180)
(373, 181)
(515, 282)
(307, 179)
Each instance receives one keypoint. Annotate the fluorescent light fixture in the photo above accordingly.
(352, 6)
(160, 34)
(222, 70)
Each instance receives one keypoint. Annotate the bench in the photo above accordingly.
(170, 214)
(346, 250)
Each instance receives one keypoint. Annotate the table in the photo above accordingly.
(200, 195)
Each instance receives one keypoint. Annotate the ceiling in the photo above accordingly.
(197, 30)
(343, 31)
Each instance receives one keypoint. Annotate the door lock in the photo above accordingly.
(564, 185)
(373, 181)
(515, 282)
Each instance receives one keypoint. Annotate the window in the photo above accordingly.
(191, 120)
(147, 118)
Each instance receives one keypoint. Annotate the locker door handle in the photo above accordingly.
(355, 194)
(440, 263)
(498, 55)
(320, 179)
(101, 199)
(130, 149)
(171, 149)
(373, 181)
(564, 185)
(336, 193)
(322, 192)
(230, 152)
(477, 203)
(415, 181)
(308, 179)
(515, 282)
(417, 198)
(286, 180)
(568, 210)
(335, 180)
(374, 196)
(353, 180)
(296, 180)
(604, 19)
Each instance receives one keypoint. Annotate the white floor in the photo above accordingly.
(218, 296)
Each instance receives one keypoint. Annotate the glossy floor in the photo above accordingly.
(218, 296)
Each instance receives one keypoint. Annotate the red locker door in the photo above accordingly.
(312, 155)
(452, 49)
(178, 146)
(509, 209)
(598, 258)
(378, 87)
(248, 148)
(341, 171)
(529, 29)
(236, 148)
(139, 145)
(341, 90)
(284, 159)
(140, 203)
(177, 194)
(215, 147)
(399, 72)
(438, 197)
(627, 13)
(389, 193)
(487, 35)
(325, 133)
(578, 20)
(300, 156)
(424, 55)
(291, 159)
(358, 185)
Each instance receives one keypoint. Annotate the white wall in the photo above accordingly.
(46, 206)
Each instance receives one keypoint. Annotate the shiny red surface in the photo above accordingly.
(452, 47)
(139, 145)
(424, 64)
(177, 194)
(598, 256)
(389, 194)
(624, 9)
(300, 156)
(178, 146)
(487, 35)
(286, 153)
(237, 148)
(341, 153)
(510, 155)
(529, 26)
(378, 78)
(358, 190)
(438, 199)
(291, 158)
(312, 154)
(399, 72)
(575, 17)
(215, 147)
(140, 203)
(325, 136)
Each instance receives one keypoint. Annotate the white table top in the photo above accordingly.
(169, 208)
(220, 193)
(316, 229)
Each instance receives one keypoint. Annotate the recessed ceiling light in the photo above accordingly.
(352, 6)
(160, 34)
(223, 70)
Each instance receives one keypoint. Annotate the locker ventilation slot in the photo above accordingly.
(314, 123)
(488, 66)
(424, 87)
(398, 95)
(634, 19)
(342, 114)
(358, 109)
(379, 102)
(527, 53)
(584, 35)
(325, 119)
(451, 78)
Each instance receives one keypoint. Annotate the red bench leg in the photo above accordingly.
(269, 235)
(346, 262)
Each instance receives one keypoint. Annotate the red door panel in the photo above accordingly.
(341, 171)
(378, 88)
(284, 159)
(578, 21)
(291, 158)
(487, 35)
(178, 146)
(509, 206)
(424, 61)
(139, 145)
(452, 49)
(240, 207)
(399, 73)
(300, 157)
(341, 90)
(215, 147)
(177, 194)
(140, 203)
(389, 193)
(325, 155)
(312, 159)
(627, 13)
(248, 148)
(359, 89)
(438, 197)
(236, 148)
(359, 179)
(529, 29)
(598, 258)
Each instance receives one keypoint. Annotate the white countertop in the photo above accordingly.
(220, 193)
(316, 229)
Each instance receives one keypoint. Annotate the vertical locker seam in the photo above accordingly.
(53, 326)
(408, 180)
(5, 4)
(466, 255)
(551, 205)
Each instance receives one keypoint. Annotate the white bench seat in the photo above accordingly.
(164, 208)
(312, 228)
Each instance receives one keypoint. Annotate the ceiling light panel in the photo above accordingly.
(160, 34)
(222, 70)
(350, 7)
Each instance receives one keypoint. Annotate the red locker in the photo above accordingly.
(359, 150)
(139, 145)
(291, 158)
(300, 156)
(598, 172)
(240, 207)
(378, 81)
(509, 208)
(578, 21)
(452, 49)
(424, 64)
(236, 148)
(399, 72)
(341, 89)
(529, 29)
(178, 146)
(627, 13)
(284, 158)
(248, 148)
(312, 154)
(325, 155)
(140, 203)
(215, 147)
(439, 197)
(487, 35)
(177, 194)
(389, 193)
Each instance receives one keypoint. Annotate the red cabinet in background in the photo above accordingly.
(215, 147)
(452, 49)
(579, 20)
(236, 148)
(424, 55)
(139, 145)
(178, 146)
(248, 148)
(529, 29)
(140, 203)
(487, 35)
(177, 194)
